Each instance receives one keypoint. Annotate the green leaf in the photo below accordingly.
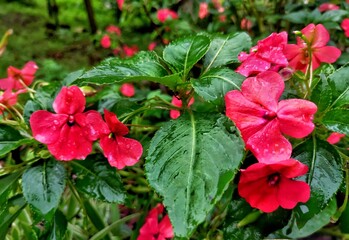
(333, 16)
(10, 139)
(7, 184)
(339, 83)
(214, 84)
(43, 186)
(98, 180)
(143, 66)
(191, 162)
(322, 95)
(324, 176)
(337, 120)
(9, 213)
(59, 227)
(184, 53)
(225, 49)
(297, 17)
(322, 218)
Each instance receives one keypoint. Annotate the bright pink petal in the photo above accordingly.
(292, 50)
(94, 126)
(296, 117)
(327, 54)
(121, 151)
(292, 192)
(28, 72)
(317, 35)
(156, 211)
(203, 10)
(335, 137)
(150, 227)
(71, 144)
(271, 48)
(105, 41)
(345, 26)
(165, 227)
(290, 168)
(115, 126)
(165, 13)
(127, 89)
(264, 89)
(69, 101)
(327, 7)
(174, 114)
(268, 145)
(7, 83)
(253, 65)
(46, 126)
(120, 3)
(256, 172)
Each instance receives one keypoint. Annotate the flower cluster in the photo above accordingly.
(70, 132)
(264, 121)
(17, 82)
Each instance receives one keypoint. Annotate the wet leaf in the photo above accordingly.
(10, 139)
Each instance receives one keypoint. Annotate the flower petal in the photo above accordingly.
(268, 145)
(327, 54)
(264, 89)
(121, 151)
(46, 126)
(253, 65)
(94, 126)
(292, 192)
(296, 117)
(290, 168)
(115, 126)
(72, 144)
(271, 48)
(321, 36)
(69, 101)
(165, 227)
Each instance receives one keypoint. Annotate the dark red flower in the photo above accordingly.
(335, 137)
(317, 37)
(262, 120)
(178, 103)
(165, 14)
(70, 132)
(327, 7)
(19, 78)
(119, 150)
(268, 186)
(127, 89)
(155, 230)
(267, 55)
(345, 26)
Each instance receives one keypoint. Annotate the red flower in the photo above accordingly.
(327, 7)
(127, 89)
(246, 24)
(8, 99)
(203, 10)
(18, 79)
(261, 119)
(345, 26)
(165, 14)
(178, 103)
(130, 50)
(335, 137)
(151, 46)
(268, 186)
(113, 29)
(105, 41)
(120, 3)
(267, 55)
(119, 151)
(152, 229)
(70, 132)
(317, 37)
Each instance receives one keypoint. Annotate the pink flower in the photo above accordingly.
(119, 150)
(113, 29)
(127, 89)
(70, 132)
(327, 7)
(345, 26)
(18, 79)
(268, 186)
(317, 37)
(165, 14)
(335, 137)
(120, 3)
(155, 230)
(246, 24)
(203, 10)
(8, 99)
(151, 46)
(262, 120)
(130, 50)
(178, 103)
(267, 55)
(105, 41)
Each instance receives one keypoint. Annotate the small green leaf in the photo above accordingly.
(184, 53)
(339, 83)
(225, 49)
(59, 226)
(297, 17)
(337, 120)
(98, 180)
(191, 162)
(214, 84)
(325, 176)
(322, 95)
(7, 184)
(143, 66)
(43, 186)
(10, 139)
(9, 212)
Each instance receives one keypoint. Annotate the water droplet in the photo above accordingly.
(55, 122)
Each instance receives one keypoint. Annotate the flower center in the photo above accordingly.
(274, 179)
(70, 120)
(269, 115)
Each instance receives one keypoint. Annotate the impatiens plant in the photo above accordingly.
(211, 137)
